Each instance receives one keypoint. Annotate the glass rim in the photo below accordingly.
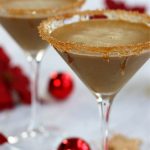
(45, 31)
(33, 12)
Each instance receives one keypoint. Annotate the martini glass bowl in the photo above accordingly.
(104, 69)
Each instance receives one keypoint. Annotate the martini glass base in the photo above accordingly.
(40, 138)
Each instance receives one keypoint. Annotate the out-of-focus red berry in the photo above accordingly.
(26, 97)
(3, 57)
(111, 4)
(3, 139)
(6, 100)
(14, 84)
(4, 60)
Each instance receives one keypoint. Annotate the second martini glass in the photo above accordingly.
(21, 18)
(105, 49)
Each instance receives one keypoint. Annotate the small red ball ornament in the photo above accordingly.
(74, 144)
(60, 85)
(3, 139)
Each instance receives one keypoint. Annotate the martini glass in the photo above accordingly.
(104, 48)
(21, 18)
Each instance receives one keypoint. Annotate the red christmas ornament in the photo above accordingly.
(3, 139)
(74, 144)
(60, 85)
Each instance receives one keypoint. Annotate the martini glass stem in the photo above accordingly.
(104, 104)
(35, 62)
(34, 90)
(33, 128)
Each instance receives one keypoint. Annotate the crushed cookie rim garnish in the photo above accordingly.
(49, 25)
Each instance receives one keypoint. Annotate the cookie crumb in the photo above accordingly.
(120, 142)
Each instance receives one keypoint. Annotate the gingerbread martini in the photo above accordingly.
(105, 49)
(21, 18)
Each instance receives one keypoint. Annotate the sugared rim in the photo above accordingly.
(43, 12)
(45, 31)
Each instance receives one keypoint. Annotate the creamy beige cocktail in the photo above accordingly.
(103, 72)
(21, 18)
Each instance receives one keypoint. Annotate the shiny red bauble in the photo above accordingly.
(60, 85)
(74, 144)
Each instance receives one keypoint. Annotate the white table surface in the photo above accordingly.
(78, 116)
